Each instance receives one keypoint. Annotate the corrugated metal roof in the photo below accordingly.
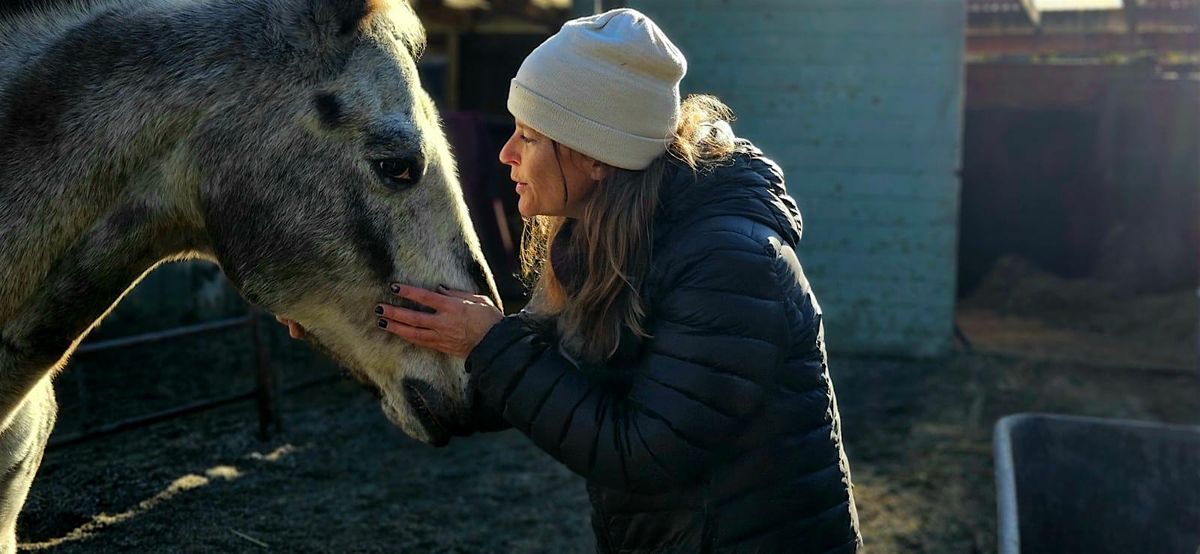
(1007, 11)
(1169, 14)
(1169, 4)
(1009, 14)
(993, 6)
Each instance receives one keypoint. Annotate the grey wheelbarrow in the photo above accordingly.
(1079, 484)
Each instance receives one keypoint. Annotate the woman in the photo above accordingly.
(672, 353)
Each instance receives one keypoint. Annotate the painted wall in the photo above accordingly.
(860, 102)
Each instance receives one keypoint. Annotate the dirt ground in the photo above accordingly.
(1021, 310)
(339, 478)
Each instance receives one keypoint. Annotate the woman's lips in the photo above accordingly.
(521, 186)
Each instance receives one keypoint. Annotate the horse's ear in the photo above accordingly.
(337, 21)
(410, 30)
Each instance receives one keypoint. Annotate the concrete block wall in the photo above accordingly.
(860, 102)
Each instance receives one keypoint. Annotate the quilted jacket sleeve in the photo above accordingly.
(718, 331)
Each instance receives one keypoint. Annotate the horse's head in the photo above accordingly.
(330, 178)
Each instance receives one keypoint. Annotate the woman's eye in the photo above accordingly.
(526, 139)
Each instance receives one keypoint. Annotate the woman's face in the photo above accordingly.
(534, 167)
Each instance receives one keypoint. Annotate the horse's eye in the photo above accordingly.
(396, 172)
(395, 169)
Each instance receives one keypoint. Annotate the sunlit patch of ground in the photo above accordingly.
(103, 520)
(339, 479)
(1017, 336)
(1020, 310)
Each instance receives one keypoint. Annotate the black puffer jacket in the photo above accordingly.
(723, 434)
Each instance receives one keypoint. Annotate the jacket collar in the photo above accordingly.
(743, 185)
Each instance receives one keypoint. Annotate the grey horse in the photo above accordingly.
(287, 140)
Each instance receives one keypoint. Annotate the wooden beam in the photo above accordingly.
(1080, 43)
(1131, 12)
(453, 69)
(1035, 16)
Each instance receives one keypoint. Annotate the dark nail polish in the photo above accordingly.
(378, 310)
(395, 289)
(382, 323)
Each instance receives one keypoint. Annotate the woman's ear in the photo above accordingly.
(600, 170)
(596, 170)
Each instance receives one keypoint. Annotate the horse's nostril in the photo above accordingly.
(427, 405)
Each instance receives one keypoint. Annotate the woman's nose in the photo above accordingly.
(508, 154)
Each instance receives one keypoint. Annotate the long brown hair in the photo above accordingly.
(610, 244)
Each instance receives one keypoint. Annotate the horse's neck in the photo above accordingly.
(25, 33)
(82, 163)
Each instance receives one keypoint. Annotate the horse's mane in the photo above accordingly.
(15, 14)
(16, 8)
(24, 24)
(27, 23)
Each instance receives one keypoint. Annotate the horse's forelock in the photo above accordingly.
(412, 33)
(328, 31)
(408, 27)
(348, 16)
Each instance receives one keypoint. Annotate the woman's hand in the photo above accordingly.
(460, 321)
(294, 329)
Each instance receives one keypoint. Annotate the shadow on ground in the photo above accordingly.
(341, 479)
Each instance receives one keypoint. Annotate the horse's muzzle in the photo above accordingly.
(435, 414)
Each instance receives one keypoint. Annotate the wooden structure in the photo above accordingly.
(1008, 28)
(449, 23)
(1082, 141)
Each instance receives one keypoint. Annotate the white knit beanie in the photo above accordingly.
(606, 86)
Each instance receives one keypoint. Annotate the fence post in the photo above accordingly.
(266, 388)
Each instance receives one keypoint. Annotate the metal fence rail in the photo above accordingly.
(265, 392)
(155, 336)
(177, 412)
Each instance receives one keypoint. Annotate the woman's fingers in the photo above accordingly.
(456, 293)
(421, 296)
(406, 316)
(477, 298)
(294, 329)
(459, 321)
(421, 337)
